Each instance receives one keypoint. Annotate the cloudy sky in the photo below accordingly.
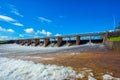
(40, 18)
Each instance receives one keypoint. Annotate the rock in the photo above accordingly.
(80, 76)
(107, 77)
(87, 69)
(91, 74)
(91, 78)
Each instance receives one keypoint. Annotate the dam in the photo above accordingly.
(67, 40)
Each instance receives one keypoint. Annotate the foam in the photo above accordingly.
(35, 57)
(11, 69)
(24, 50)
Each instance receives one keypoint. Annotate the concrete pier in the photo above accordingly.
(46, 41)
(77, 40)
(37, 41)
(68, 41)
(104, 39)
(90, 39)
(29, 42)
(59, 41)
(23, 42)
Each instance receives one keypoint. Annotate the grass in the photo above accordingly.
(114, 38)
(3, 42)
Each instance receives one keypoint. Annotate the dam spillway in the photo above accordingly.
(68, 40)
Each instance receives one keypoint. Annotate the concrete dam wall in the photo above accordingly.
(67, 40)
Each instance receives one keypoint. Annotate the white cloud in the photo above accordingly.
(18, 24)
(6, 18)
(7, 38)
(17, 13)
(29, 30)
(20, 35)
(6, 30)
(36, 33)
(36, 36)
(44, 32)
(44, 19)
(14, 10)
(2, 29)
(3, 37)
(48, 33)
(58, 35)
(10, 30)
(11, 20)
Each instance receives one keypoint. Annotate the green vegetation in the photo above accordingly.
(114, 38)
(3, 42)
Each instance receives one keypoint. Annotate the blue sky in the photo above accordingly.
(40, 18)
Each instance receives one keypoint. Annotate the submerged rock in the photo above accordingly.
(107, 77)
(91, 78)
(80, 76)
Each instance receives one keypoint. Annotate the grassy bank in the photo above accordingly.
(3, 42)
(114, 38)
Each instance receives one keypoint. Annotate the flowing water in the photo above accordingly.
(13, 69)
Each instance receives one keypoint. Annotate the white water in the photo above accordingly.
(19, 49)
(16, 49)
(35, 57)
(11, 69)
(9, 49)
